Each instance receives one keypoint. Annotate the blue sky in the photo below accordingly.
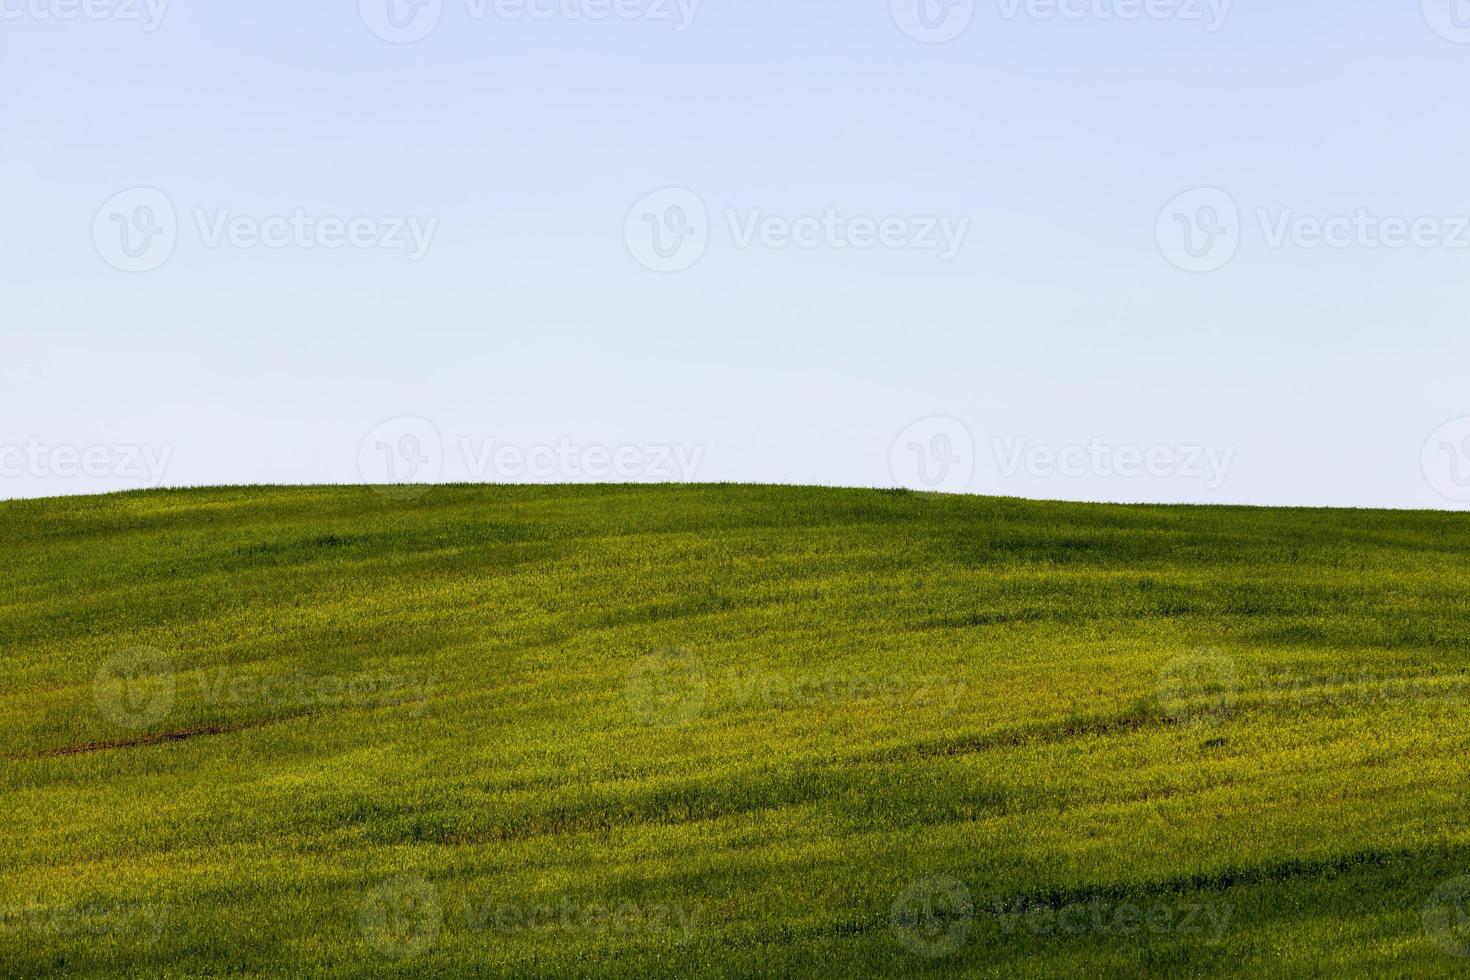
(819, 326)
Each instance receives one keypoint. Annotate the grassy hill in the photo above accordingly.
(727, 730)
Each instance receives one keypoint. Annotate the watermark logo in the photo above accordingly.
(1446, 460)
(935, 454)
(1446, 917)
(401, 457)
(148, 13)
(934, 917)
(1199, 688)
(401, 21)
(1199, 230)
(668, 231)
(1450, 19)
(135, 688)
(667, 689)
(401, 919)
(933, 21)
(136, 230)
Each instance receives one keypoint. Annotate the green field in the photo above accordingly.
(623, 731)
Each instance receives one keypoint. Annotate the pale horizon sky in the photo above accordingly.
(1214, 255)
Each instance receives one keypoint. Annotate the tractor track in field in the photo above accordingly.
(144, 741)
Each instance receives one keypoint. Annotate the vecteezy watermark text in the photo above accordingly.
(408, 21)
(572, 461)
(144, 464)
(228, 686)
(778, 689)
(138, 230)
(935, 917)
(302, 230)
(403, 456)
(404, 918)
(1211, 14)
(938, 21)
(1209, 465)
(939, 454)
(137, 688)
(670, 230)
(672, 688)
(1202, 230)
(146, 13)
(140, 921)
(833, 230)
(1113, 917)
(1206, 687)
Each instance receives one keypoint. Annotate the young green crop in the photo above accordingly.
(719, 730)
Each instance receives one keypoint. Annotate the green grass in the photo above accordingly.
(606, 731)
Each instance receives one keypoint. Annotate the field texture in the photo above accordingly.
(729, 731)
